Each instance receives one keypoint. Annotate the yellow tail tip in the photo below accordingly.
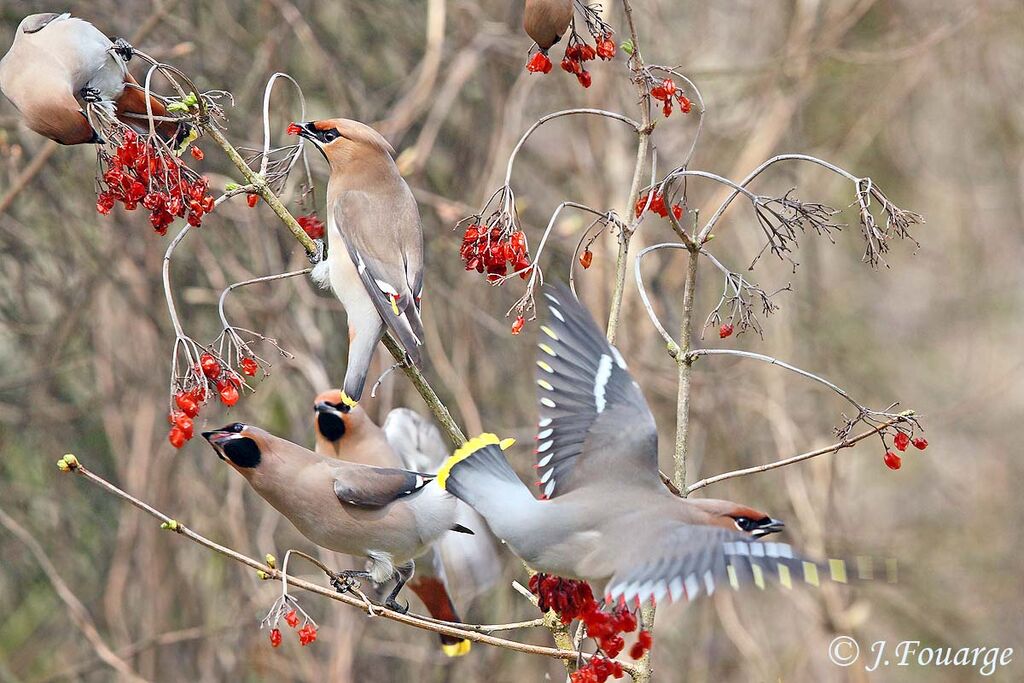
(457, 649)
(467, 449)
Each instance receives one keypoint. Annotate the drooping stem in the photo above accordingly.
(684, 363)
(263, 189)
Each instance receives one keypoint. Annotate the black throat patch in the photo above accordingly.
(331, 426)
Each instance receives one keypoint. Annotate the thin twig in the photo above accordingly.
(277, 575)
(834, 448)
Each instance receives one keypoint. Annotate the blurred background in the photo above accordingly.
(924, 97)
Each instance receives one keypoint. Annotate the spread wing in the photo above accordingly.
(385, 242)
(594, 421)
(696, 560)
(375, 487)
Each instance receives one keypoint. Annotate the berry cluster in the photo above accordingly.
(141, 172)
(572, 599)
(210, 374)
(669, 94)
(307, 634)
(901, 441)
(597, 670)
(577, 52)
(657, 206)
(490, 250)
(312, 224)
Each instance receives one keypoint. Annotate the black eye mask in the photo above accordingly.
(331, 426)
(243, 452)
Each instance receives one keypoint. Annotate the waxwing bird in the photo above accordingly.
(469, 563)
(546, 21)
(389, 516)
(57, 63)
(604, 515)
(378, 273)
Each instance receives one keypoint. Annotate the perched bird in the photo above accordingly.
(604, 515)
(389, 516)
(378, 274)
(469, 564)
(57, 63)
(546, 21)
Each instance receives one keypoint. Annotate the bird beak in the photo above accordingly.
(217, 439)
(324, 407)
(307, 130)
(770, 527)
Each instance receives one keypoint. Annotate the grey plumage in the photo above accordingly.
(607, 517)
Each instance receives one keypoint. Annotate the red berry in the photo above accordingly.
(293, 129)
(176, 437)
(586, 258)
(637, 651)
(645, 639)
(307, 634)
(725, 331)
(252, 199)
(209, 365)
(275, 637)
(313, 226)
(249, 366)
(186, 426)
(684, 103)
(587, 53)
(197, 154)
(517, 326)
(605, 47)
(666, 108)
(584, 78)
(187, 404)
(539, 63)
(892, 461)
(901, 441)
(920, 443)
(292, 619)
(228, 394)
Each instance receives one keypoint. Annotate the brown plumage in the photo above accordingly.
(58, 62)
(374, 261)
(546, 21)
(390, 516)
(468, 563)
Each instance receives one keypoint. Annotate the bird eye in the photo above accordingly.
(745, 523)
(236, 428)
(341, 406)
(330, 135)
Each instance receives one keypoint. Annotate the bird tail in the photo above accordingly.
(477, 466)
(133, 101)
(434, 594)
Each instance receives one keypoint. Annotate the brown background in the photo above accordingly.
(922, 96)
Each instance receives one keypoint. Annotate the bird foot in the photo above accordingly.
(348, 581)
(396, 606)
(320, 254)
(91, 95)
(124, 49)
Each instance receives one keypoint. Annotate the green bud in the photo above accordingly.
(231, 187)
(627, 47)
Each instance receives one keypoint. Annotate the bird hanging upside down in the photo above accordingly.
(604, 515)
(375, 260)
(57, 64)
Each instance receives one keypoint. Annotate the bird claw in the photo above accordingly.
(124, 49)
(320, 254)
(91, 95)
(344, 584)
(396, 606)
